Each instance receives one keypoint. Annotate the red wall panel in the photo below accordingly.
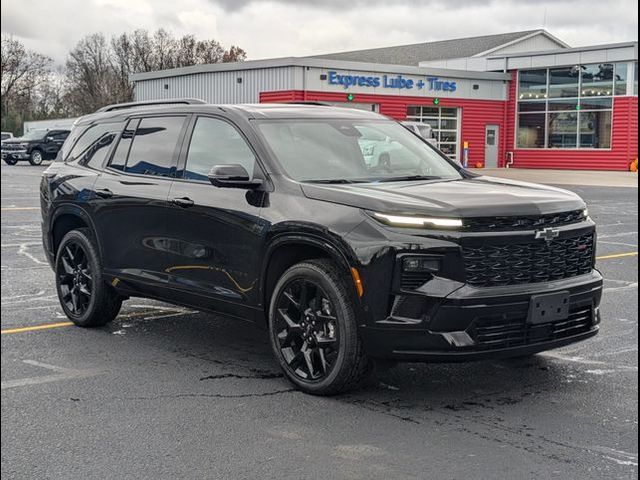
(476, 114)
(624, 147)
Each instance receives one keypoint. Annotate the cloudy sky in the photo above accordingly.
(277, 28)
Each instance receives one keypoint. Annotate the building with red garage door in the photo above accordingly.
(523, 99)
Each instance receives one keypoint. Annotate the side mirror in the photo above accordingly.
(232, 176)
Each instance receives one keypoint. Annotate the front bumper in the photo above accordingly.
(14, 155)
(480, 323)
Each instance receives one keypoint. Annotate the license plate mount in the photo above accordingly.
(550, 307)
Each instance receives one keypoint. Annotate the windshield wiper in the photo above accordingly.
(409, 178)
(333, 181)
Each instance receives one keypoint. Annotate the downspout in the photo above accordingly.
(509, 155)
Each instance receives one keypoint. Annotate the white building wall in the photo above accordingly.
(57, 123)
(219, 87)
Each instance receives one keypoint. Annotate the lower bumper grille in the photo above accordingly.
(495, 333)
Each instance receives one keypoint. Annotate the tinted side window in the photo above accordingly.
(119, 159)
(153, 150)
(70, 142)
(97, 142)
(216, 142)
(59, 136)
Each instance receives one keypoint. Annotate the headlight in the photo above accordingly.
(585, 213)
(407, 221)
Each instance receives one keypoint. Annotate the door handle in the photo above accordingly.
(183, 202)
(104, 193)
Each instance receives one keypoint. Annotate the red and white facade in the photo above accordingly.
(581, 114)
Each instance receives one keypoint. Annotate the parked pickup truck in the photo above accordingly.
(34, 147)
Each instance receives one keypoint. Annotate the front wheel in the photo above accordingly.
(84, 296)
(312, 326)
(36, 158)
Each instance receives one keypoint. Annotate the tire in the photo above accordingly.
(86, 299)
(314, 335)
(36, 158)
(10, 161)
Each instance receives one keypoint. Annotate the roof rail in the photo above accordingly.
(151, 103)
(309, 102)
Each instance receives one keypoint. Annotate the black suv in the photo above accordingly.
(283, 215)
(34, 147)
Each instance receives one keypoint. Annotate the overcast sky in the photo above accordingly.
(277, 28)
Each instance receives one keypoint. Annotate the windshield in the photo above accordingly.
(34, 135)
(341, 151)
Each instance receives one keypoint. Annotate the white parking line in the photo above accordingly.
(62, 374)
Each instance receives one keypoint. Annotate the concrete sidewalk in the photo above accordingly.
(564, 177)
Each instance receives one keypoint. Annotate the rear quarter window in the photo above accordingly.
(92, 147)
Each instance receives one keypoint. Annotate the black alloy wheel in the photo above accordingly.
(75, 278)
(86, 298)
(313, 328)
(307, 330)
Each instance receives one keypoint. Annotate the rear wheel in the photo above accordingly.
(84, 296)
(36, 158)
(312, 325)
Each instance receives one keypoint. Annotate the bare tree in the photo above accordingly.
(91, 81)
(23, 71)
(96, 73)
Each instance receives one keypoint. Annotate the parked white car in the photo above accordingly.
(7, 136)
(421, 129)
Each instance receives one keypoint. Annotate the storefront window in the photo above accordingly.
(597, 80)
(595, 129)
(563, 130)
(535, 106)
(560, 105)
(533, 84)
(596, 103)
(635, 78)
(621, 77)
(564, 82)
(578, 111)
(445, 124)
(531, 128)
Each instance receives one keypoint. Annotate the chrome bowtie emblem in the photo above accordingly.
(547, 234)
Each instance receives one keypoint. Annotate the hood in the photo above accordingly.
(474, 197)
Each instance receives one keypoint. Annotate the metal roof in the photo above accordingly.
(440, 50)
(317, 63)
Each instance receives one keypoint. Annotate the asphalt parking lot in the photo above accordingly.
(165, 392)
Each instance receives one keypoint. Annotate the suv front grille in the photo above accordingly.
(12, 146)
(529, 222)
(540, 261)
(493, 333)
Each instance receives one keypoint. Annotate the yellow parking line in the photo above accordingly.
(34, 328)
(618, 255)
(47, 326)
(15, 209)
